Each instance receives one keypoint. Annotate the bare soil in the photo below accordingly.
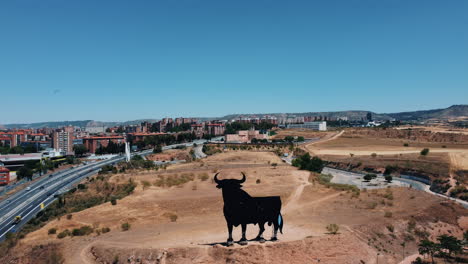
(197, 232)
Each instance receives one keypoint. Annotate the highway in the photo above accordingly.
(27, 202)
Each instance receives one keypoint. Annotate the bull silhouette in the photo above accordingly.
(241, 209)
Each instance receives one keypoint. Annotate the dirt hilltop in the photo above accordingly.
(185, 224)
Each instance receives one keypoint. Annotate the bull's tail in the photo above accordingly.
(280, 222)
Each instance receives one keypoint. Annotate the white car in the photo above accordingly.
(28, 188)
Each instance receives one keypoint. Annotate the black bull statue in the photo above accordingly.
(241, 209)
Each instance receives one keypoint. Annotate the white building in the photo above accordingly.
(95, 129)
(320, 126)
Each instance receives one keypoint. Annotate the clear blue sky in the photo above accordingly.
(124, 60)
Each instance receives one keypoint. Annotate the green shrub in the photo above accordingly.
(105, 230)
(333, 228)
(172, 217)
(63, 234)
(368, 177)
(113, 201)
(424, 152)
(82, 231)
(203, 176)
(371, 205)
(145, 184)
(125, 226)
(52, 231)
(325, 179)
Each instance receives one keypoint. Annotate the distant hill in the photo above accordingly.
(80, 123)
(452, 112)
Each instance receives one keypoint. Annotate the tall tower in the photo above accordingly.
(127, 151)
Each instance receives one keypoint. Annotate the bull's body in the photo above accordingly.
(242, 209)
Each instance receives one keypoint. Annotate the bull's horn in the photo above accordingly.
(216, 178)
(243, 178)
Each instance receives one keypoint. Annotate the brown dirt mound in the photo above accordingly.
(309, 250)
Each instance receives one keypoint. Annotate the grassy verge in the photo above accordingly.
(325, 179)
(95, 191)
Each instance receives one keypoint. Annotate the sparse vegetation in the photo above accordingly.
(52, 231)
(305, 162)
(371, 205)
(146, 184)
(424, 152)
(82, 231)
(203, 176)
(388, 214)
(325, 179)
(125, 226)
(174, 180)
(333, 229)
(390, 228)
(64, 234)
(173, 217)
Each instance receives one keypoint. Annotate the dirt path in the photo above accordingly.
(296, 195)
(409, 259)
(86, 256)
(326, 139)
(458, 161)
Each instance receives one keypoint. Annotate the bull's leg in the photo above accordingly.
(230, 240)
(260, 233)
(243, 240)
(275, 231)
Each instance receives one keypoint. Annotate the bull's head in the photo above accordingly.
(229, 183)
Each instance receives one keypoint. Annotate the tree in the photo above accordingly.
(305, 162)
(300, 139)
(289, 138)
(80, 150)
(388, 178)
(70, 159)
(157, 149)
(424, 152)
(368, 177)
(428, 247)
(389, 169)
(25, 172)
(449, 243)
